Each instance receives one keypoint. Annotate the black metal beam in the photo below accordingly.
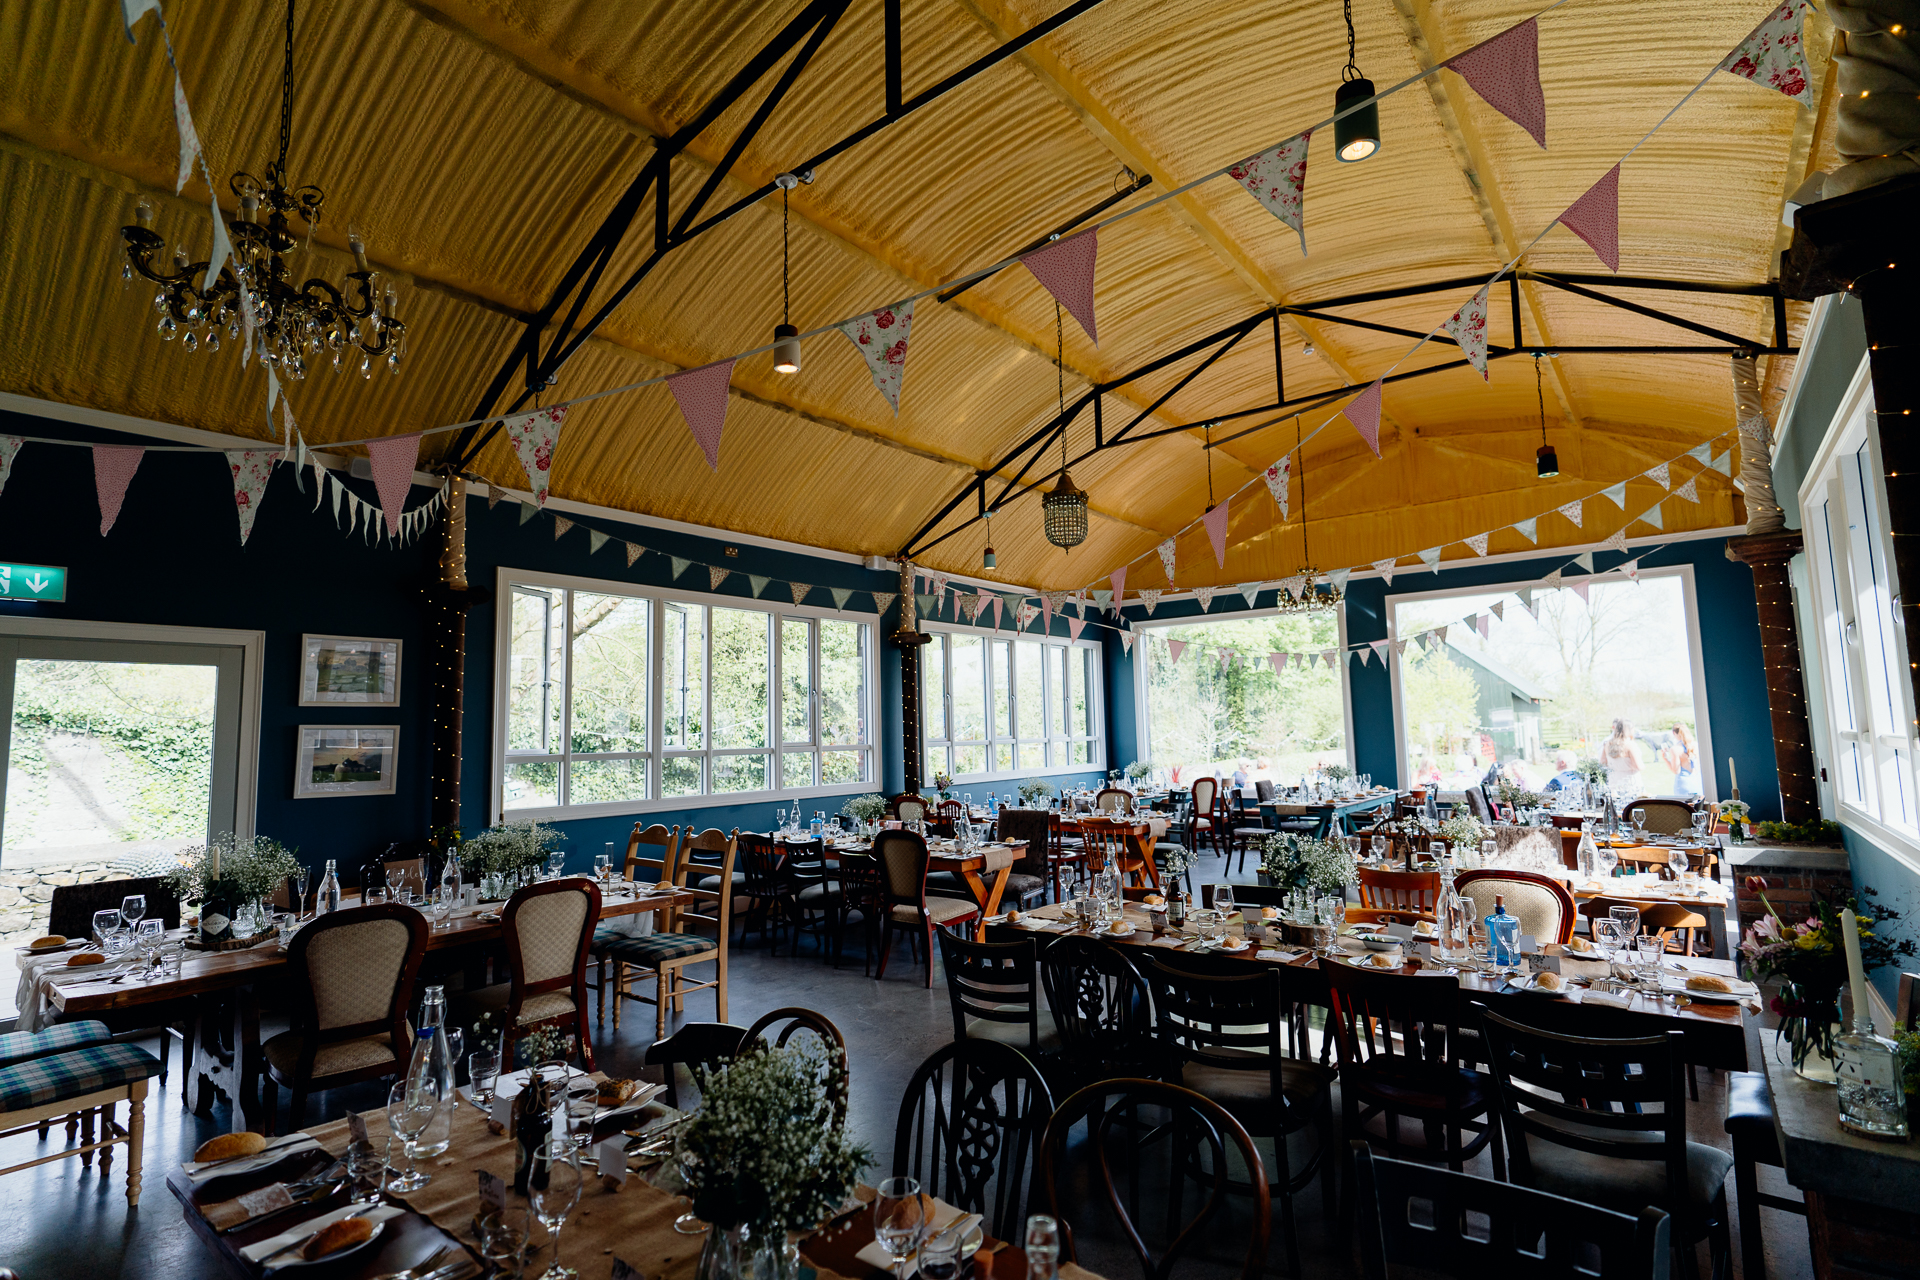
(892, 8)
(1708, 331)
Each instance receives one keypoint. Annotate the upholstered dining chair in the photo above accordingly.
(1664, 816)
(352, 973)
(548, 928)
(1043, 858)
(1544, 906)
(1114, 800)
(652, 857)
(909, 807)
(902, 856)
(1205, 818)
(667, 952)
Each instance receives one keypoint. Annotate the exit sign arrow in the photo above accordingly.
(40, 582)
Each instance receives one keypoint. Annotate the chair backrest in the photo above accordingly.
(1477, 804)
(70, 910)
(1543, 905)
(1655, 917)
(994, 981)
(1205, 792)
(1665, 817)
(549, 927)
(908, 807)
(902, 856)
(1578, 1091)
(1106, 843)
(793, 1021)
(1262, 789)
(701, 1046)
(763, 863)
(703, 850)
(806, 862)
(1390, 1015)
(1099, 1003)
(1423, 1218)
(1399, 890)
(656, 849)
(354, 972)
(1114, 800)
(951, 810)
(1212, 1011)
(1203, 1132)
(971, 1121)
(1035, 826)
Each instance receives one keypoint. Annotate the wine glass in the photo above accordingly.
(106, 923)
(554, 861)
(899, 1220)
(300, 884)
(409, 1112)
(396, 884)
(1677, 859)
(1223, 900)
(1379, 848)
(553, 1190)
(132, 907)
(781, 825)
(1626, 923)
(1700, 824)
(1638, 817)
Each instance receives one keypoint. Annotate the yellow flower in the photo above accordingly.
(1811, 942)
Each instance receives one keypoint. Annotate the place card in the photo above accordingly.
(501, 1113)
(1527, 945)
(229, 1214)
(1545, 963)
(1423, 951)
(1404, 932)
(623, 1270)
(493, 1190)
(357, 1127)
(612, 1157)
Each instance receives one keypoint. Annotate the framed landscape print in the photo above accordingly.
(349, 670)
(346, 760)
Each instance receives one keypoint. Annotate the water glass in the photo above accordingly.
(899, 1220)
(554, 1190)
(1083, 910)
(504, 1236)
(106, 923)
(1650, 946)
(483, 1068)
(581, 1109)
(366, 1170)
(132, 907)
(1380, 848)
(283, 928)
(940, 1256)
(170, 954)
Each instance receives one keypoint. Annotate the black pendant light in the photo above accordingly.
(1064, 509)
(1547, 463)
(988, 560)
(786, 338)
(1355, 136)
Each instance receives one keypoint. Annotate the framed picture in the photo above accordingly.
(346, 760)
(336, 670)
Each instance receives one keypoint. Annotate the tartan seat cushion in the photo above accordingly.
(338, 1058)
(73, 1074)
(19, 1046)
(656, 947)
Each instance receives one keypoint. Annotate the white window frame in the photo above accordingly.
(939, 753)
(1865, 701)
(1143, 715)
(656, 752)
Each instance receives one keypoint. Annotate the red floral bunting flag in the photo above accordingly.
(1506, 72)
(1150, 599)
(1595, 218)
(251, 470)
(716, 576)
(1126, 641)
(1478, 542)
(1363, 411)
(393, 458)
(881, 339)
(1617, 542)
(702, 396)
(1774, 54)
(1278, 475)
(1278, 178)
(1468, 327)
(1166, 559)
(1216, 523)
(633, 553)
(1205, 596)
(1688, 491)
(560, 527)
(1175, 648)
(1119, 581)
(1386, 569)
(1660, 475)
(800, 590)
(534, 436)
(1065, 267)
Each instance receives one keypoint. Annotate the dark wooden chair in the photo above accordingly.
(1101, 1011)
(548, 928)
(1750, 1128)
(1425, 1220)
(1201, 1133)
(994, 991)
(792, 1021)
(971, 1121)
(1043, 859)
(351, 974)
(902, 856)
(769, 887)
(700, 1046)
(70, 912)
(1613, 1117)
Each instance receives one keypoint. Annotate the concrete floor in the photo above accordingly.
(69, 1221)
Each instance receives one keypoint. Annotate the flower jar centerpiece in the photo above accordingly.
(1339, 776)
(1313, 865)
(865, 810)
(1807, 959)
(1736, 815)
(943, 783)
(233, 879)
(768, 1155)
(1137, 772)
(508, 856)
(1034, 792)
(1463, 831)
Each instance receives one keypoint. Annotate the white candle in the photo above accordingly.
(214, 855)
(1856, 971)
(1733, 779)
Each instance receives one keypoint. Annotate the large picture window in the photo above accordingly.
(993, 705)
(614, 698)
(1269, 718)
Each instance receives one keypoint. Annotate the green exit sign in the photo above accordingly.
(32, 582)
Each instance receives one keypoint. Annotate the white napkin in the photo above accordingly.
(1043, 926)
(306, 1230)
(199, 1171)
(944, 1216)
(30, 996)
(1605, 999)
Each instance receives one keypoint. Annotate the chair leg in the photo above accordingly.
(619, 991)
(886, 948)
(86, 1136)
(136, 1138)
(929, 955)
(600, 995)
(166, 1052)
(660, 998)
(1746, 1186)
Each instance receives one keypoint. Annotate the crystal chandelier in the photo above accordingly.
(293, 325)
(1064, 507)
(1308, 598)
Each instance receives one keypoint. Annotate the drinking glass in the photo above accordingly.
(283, 928)
(1043, 1241)
(132, 907)
(554, 862)
(1700, 824)
(300, 885)
(170, 954)
(1223, 900)
(504, 1236)
(396, 884)
(581, 1109)
(106, 922)
(1626, 922)
(1379, 848)
(483, 1068)
(899, 1220)
(1649, 947)
(409, 1112)
(366, 1169)
(781, 825)
(1638, 817)
(940, 1256)
(553, 1190)
(1677, 859)
(1356, 847)
(442, 903)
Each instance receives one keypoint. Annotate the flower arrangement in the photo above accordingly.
(1736, 815)
(769, 1144)
(1464, 831)
(1512, 793)
(1593, 769)
(867, 808)
(1034, 790)
(1337, 772)
(1295, 861)
(511, 847)
(943, 783)
(1175, 859)
(1139, 769)
(1819, 831)
(546, 1044)
(245, 868)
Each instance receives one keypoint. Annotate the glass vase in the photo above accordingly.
(1808, 1023)
(723, 1256)
(772, 1256)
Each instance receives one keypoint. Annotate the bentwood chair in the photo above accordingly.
(664, 844)
(698, 1046)
(548, 928)
(352, 977)
(970, 1096)
(908, 807)
(902, 856)
(1101, 1011)
(1664, 817)
(666, 953)
(1429, 1221)
(1544, 906)
(1113, 800)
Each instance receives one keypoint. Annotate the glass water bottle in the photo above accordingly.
(327, 897)
(1503, 934)
(1868, 1071)
(431, 1071)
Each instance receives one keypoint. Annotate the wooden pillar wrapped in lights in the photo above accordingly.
(910, 639)
(447, 599)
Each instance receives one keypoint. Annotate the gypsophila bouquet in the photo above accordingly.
(869, 808)
(1175, 859)
(1033, 790)
(246, 867)
(546, 1044)
(769, 1146)
(1337, 772)
(1593, 769)
(510, 847)
(1295, 861)
(1464, 831)
(1139, 769)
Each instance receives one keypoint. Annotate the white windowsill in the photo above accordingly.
(1902, 847)
(622, 808)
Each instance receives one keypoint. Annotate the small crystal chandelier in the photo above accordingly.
(292, 324)
(1309, 598)
(1064, 507)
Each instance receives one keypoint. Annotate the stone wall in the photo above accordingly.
(26, 895)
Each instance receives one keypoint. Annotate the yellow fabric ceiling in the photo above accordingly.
(477, 145)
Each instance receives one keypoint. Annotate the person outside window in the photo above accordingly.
(1564, 774)
(1681, 758)
(1621, 755)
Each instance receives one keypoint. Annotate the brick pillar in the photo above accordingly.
(910, 639)
(1768, 555)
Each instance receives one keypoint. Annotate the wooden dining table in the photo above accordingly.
(227, 1059)
(1327, 813)
(985, 868)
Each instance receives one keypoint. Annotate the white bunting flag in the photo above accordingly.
(1277, 178)
(1774, 54)
(1430, 558)
(134, 10)
(1338, 578)
(1585, 560)
(1385, 568)
(1166, 559)
(1103, 600)
(1529, 529)
(1572, 511)
(1616, 494)
(1175, 648)
(1126, 641)
(1478, 541)
(1652, 516)
(528, 511)
(843, 594)
(756, 583)
(1468, 327)
(881, 338)
(1205, 596)
(189, 138)
(9, 450)
(1278, 477)
(1659, 476)
(1379, 648)
(534, 437)
(679, 565)
(222, 250)
(1250, 592)
(1688, 491)
(1723, 463)
(595, 540)
(1701, 452)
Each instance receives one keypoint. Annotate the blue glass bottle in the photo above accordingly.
(1503, 934)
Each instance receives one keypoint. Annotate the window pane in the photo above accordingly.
(1081, 753)
(1079, 705)
(843, 681)
(1057, 689)
(969, 688)
(600, 781)
(796, 769)
(680, 776)
(933, 688)
(531, 784)
(1027, 686)
(1033, 755)
(682, 683)
(843, 766)
(740, 663)
(609, 674)
(1002, 688)
(536, 632)
(739, 773)
(1003, 758)
(969, 760)
(796, 680)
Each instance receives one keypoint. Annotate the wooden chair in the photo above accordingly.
(1375, 915)
(666, 840)
(792, 1021)
(908, 807)
(548, 927)
(769, 888)
(1418, 1217)
(351, 975)
(1664, 919)
(701, 1046)
(80, 1084)
(1208, 816)
(1113, 800)
(1613, 1114)
(1544, 906)
(1101, 1012)
(970, 1096)
(70, 912)
(1664, 816)
(994, 991)
(1204, 1133)
(1659, 861)
(1417, 891)
(1044, 857)
(667, 953)
(902, 856)
(1119, 843)
(1755, 1140)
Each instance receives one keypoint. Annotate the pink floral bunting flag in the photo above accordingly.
(1119, 580)
(1166, 559)
(561, 525)
(883, 600)
(715, 576)
(1277, 178)
(1478, 542)
(881, 338)
(800, 591)
(1363, 411)
(251, 468)
(1385, 568)
(1278, 476)
(1468, 327)
(1205, 596)
(1595, 218)
(1572, 511)
(1616, 542)
(1065, 267)
(189, 138)
(1632, 569)
(1216, 524)
(1150, 599)
(1659, 474)
(393, 458)
(1175, 648)
(534, 436)
(1498, 609)
(702, 396)
(1505, 71)
(1774, 53)
(633, 553)
(1688, 491)
(1126, 641)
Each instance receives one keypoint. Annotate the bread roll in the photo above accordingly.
(616, 1091)
(1013, 917)
(1154, 900)
(51, 940)
(84, 957)
(1269, 913)
(1119, 926)
(336, 1236)
(1549, 982)
(1579, 944)
(1709, 982)
(1381, 960)
(229, 1145)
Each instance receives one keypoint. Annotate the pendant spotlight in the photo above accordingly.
(1546, 462)
(1355, 136)
(786, 338)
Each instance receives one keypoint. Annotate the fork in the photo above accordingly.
(421, 1270)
